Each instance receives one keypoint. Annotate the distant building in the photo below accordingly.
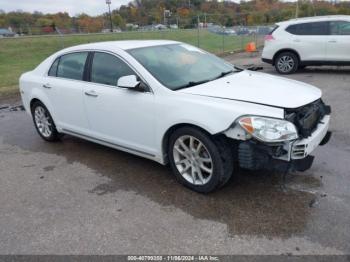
(6, 33)
(108, 30)
(131, 26)
(174, 26)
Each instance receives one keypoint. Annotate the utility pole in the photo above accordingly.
(297, 9)
(108, 2)
(197, 30)
(164, 17)
(166, 14)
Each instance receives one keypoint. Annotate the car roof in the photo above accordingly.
(119, 45)
(314, 19)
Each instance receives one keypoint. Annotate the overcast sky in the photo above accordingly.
(73, 7)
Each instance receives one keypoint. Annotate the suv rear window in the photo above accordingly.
(273, 29)
(314, 28)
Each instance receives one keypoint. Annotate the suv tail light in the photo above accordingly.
(269, 38)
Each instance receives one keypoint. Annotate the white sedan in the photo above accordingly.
(173, 103)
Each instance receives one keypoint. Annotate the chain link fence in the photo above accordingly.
(23, 51)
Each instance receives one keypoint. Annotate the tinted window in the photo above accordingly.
(292, 29)
(340, 28)
(316, 28)
(53, 69)
(107, 69)
(273, 30)
(72, 66)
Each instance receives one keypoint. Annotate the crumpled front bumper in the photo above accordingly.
(304, 147)
(288, 156)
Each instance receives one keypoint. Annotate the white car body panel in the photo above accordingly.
(66, 96)
(122, 116)
(137, 122)
(309, 47)
(257, 88)
(337, 48)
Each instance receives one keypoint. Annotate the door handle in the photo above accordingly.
(297, 40)
(91, 93)
(46, 86)
(332, 41)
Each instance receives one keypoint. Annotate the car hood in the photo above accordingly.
(258, 88)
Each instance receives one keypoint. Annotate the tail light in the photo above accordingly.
(269, 38)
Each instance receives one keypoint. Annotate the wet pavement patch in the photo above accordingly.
(11, 108)
(48, 168)
(313, 203)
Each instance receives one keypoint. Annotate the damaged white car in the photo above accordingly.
(174, 103)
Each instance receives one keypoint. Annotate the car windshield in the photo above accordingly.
(179, 66)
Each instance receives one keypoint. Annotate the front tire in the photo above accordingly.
(286, 63)
(44, 123)
(199, 161)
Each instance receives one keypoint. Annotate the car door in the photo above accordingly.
(309, 40)
(122, 117)
(65, 85)
(338, 42)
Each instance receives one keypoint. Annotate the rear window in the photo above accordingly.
(71, 66)
(53, 69)
(314, 28)
(273, 29)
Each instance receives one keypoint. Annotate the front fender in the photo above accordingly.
(214, 115)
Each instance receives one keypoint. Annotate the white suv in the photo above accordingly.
(308, 41)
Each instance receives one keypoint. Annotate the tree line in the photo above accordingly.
(183, 13)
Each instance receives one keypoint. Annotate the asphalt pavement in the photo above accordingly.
(76, 197)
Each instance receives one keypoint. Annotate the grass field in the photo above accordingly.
(18, 55)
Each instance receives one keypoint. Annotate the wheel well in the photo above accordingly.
(285, 50)
(33, 101)
(171, 130)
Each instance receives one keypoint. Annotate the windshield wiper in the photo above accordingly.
(238, 68)
(192, 83)
(225, 74)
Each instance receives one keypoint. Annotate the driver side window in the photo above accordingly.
(107, 69)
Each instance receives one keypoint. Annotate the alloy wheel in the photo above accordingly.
(285, 64)
(192, 160)
(43, 121)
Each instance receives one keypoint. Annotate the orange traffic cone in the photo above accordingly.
(250, 47)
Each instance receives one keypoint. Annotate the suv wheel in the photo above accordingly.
(199, 161)
(43, 122)
(286, 63)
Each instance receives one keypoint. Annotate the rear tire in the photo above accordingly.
(286, 63)
(44, 123)
(199, 161)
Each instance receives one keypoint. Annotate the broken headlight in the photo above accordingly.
(269, 129)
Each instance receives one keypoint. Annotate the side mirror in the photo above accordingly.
(129, 82)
